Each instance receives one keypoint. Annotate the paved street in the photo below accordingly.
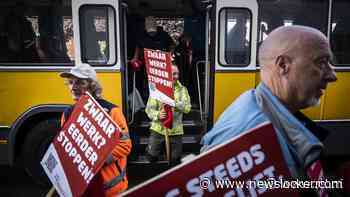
(14, 182)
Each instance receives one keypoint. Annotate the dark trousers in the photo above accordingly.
(156, 145)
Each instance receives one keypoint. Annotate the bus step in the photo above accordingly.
(141, 159)
(186, 139)
(190, 127)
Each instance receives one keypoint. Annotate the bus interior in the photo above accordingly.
(184, 21)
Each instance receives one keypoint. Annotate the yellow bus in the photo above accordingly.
(40, 39)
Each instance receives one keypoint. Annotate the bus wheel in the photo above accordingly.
(36, 143)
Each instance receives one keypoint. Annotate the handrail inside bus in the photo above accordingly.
(199, 88)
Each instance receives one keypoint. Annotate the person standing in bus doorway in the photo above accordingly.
(111, 179)
(156, 112)
(152, 37)
(295, 71)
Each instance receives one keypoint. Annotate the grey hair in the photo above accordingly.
(95, 89)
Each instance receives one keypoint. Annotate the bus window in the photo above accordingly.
(234, 37)
(97, 23)
(273, 14)
(35, 33)
(340, 33)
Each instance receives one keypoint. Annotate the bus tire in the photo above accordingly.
(35, 145)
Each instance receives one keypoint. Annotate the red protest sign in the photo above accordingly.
(160, 78)
(246, 161)
(81, 147)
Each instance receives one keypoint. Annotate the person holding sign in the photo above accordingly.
(151, 38)
(111, 178)
(160, 117)
(295, 70)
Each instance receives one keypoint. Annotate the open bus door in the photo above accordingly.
(179, 18)
(102, 37)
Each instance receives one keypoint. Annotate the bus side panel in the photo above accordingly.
(228, 86)
(112, 87)
(337, 98)
(21, 90)
(257, 78)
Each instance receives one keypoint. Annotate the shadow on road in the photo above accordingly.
(15, 182)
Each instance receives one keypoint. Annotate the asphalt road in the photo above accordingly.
(14, 182)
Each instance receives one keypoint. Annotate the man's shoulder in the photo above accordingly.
(243, 114)
(243, 110)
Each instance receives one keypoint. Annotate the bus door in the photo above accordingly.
(187, 26)
(235, 51)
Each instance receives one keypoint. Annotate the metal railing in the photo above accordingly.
(199, 98)
(133, 97)
(199, 88)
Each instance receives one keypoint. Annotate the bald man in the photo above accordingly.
(295, 71)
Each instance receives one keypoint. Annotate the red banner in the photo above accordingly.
(81, 147)
(244, 166)
(160, 78)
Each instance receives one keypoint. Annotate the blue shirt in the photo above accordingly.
(244, 114)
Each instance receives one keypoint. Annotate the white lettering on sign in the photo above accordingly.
(83, 144)
(156, 55)
(159, 80)
(157, 64)
(91, 131)
(83, 168)
(232, 168)
(100, 118)
(159, 73)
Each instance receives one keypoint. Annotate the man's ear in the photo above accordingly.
(283, 64)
